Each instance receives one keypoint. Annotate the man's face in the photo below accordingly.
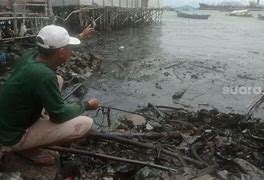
(64, 54)
(68, 52)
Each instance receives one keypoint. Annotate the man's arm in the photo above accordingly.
(52, 100)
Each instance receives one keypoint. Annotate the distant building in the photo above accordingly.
(117, 3)
(9, 3)
(23, 18)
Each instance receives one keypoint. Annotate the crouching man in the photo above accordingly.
(34, 85)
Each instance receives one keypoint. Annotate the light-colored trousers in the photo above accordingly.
(44, 132)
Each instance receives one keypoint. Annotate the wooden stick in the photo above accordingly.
(15, 38)
(157, 110)
(169, 107)
(24, 17)
(142, 145)
(77, 86)
(173, 65)
(147, 135)
(120, 65)
(255, 104)
(114, 158)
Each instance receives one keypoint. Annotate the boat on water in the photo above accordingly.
(232, 6)
(192, 16)
(242, 13)
(261, 16)
(221, 6)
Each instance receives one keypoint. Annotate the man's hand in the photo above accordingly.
(87, 32)
(92, 104)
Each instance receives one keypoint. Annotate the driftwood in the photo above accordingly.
(207, 170)
(255, 137)
(103, 156)
(250, 169)
(120, 65)
(255, 104)
(161, 114)
(77, 86)
(173, 65)
(194, 148)
(205, 67)
(180, 156)
(147, 135)
(172, 108)
(145, 145)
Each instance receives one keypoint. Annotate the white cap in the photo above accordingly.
(53, 37)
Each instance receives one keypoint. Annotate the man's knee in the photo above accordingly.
(83, 126)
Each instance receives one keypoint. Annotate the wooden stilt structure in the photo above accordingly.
(113, 17)
(24, 18)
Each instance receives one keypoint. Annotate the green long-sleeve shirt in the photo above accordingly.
(32, 86)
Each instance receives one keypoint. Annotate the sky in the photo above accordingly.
(196, 2)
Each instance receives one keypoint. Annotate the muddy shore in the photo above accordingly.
(132, 67)
(182, 63)
(173, 64)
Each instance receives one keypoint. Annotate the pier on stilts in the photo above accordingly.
(110, 17)
(21, 19)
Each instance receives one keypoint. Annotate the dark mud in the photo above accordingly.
(195, 59)
(180, 62)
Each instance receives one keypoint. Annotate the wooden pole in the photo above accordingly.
(25, 8)
(115, 17)
(14, 14)
(46, 9)
(143, 145)
(51, 11)
(113, 158)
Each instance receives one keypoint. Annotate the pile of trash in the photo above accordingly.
(160, 142)
(7, 61)
(80, 66)
(11, 175)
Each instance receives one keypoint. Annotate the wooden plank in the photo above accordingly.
(249, 168)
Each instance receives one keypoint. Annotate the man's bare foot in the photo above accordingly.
(41, 157)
